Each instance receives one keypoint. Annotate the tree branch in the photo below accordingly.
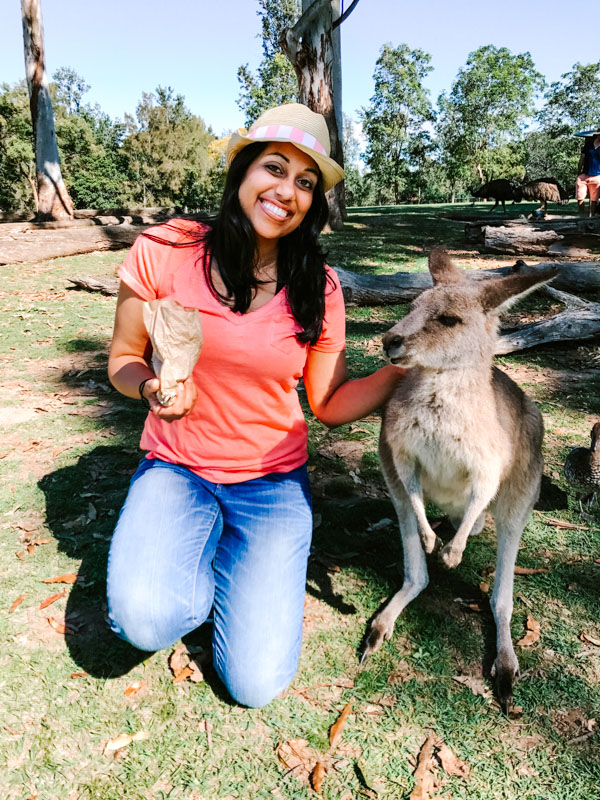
(345, 15)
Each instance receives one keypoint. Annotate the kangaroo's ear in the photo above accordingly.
(441, 267)
(501, 293)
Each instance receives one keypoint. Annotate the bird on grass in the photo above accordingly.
(582, 468)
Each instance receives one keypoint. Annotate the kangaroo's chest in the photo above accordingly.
(449, 440)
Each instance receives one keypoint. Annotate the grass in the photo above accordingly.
(69, 445)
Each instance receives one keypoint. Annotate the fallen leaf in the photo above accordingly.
(317, 775)
(403, 673)
(476, 685)
(52, 599)
(529, 570)
(58, 450)
(17, 603)
(79, 674)
(296, 756)
(532, 635)
(184, 666)
(183, 674)
(59, 627)
(135, 687)
(37, 542)
(70, 577)
(585, 637)
(426, 780)
(122, 740)
(337, 729)
(451, 764)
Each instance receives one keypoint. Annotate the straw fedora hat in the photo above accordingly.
(297, 124)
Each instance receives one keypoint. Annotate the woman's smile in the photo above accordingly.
(277, 191)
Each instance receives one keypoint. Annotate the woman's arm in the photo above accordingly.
(128, 360)
(336, 400)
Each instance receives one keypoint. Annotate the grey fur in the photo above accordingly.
(459, 432)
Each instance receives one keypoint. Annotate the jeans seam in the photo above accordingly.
(195, 619)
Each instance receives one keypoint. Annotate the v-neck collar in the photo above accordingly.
(236, 317)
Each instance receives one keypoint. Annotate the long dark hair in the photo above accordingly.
(230, 240)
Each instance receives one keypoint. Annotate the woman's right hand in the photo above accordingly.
(182, 405)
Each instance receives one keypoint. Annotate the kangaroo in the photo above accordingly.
(459, 432)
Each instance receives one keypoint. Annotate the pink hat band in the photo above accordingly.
(287, 133)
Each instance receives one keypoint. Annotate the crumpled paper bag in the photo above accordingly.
(176, 336)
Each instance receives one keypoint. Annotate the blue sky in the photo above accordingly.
(124, 47)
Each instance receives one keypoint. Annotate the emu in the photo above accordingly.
(546, 190)
(499, 189)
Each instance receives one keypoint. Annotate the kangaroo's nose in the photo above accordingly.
(392, 342)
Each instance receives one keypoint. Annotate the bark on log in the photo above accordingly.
(580, 321)
(402, 287)
(475, 229)
(35, 244)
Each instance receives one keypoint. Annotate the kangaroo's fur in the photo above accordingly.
(459, 432)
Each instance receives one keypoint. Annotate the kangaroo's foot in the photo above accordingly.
(505, 670)
(380, 631)
(452, 553)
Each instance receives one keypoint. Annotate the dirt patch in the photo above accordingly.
(571, 722)
(11, 415)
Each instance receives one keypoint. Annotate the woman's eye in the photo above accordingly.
(305, 183)
(274, 168)
(449, 322)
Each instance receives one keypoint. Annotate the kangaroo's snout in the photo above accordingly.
(392, 344)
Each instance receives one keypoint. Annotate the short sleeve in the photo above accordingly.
(333, 335)
(140, 270)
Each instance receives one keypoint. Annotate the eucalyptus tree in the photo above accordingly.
(395, 121)
(53, 200)
(274, 81)
(491, 100)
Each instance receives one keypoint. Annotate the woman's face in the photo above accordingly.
(277, 190)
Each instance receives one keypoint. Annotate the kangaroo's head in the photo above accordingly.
(454, 325)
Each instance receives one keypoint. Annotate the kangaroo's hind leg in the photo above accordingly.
(415, 567)
(510, 514)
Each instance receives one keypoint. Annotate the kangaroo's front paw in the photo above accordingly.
(428, 539)
(380, 631)
(451, 555)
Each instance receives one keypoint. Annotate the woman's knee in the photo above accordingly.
(254, 690)
(135, 617)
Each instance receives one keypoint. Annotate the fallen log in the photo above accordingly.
(580, 321)
(36, 244)
(402, 287)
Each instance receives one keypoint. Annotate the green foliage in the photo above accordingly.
(275, 81)
(17, 160)
(572, 104)
(490, 101)
(394, 122)
(166, 150)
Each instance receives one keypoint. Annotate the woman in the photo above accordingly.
(218, 514)
(588, 181)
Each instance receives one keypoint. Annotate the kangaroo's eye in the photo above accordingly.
(449, 322)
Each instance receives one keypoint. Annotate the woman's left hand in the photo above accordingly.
(182, 405)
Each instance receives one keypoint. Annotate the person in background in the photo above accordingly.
(218, 515)
(588, 181)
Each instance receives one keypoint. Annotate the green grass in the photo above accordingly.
(69, 444)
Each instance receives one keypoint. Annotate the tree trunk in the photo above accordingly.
(310, 48)
(53, 199)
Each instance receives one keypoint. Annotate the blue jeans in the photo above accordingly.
(184, 545)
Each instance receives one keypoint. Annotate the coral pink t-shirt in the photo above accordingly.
(247, 420)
